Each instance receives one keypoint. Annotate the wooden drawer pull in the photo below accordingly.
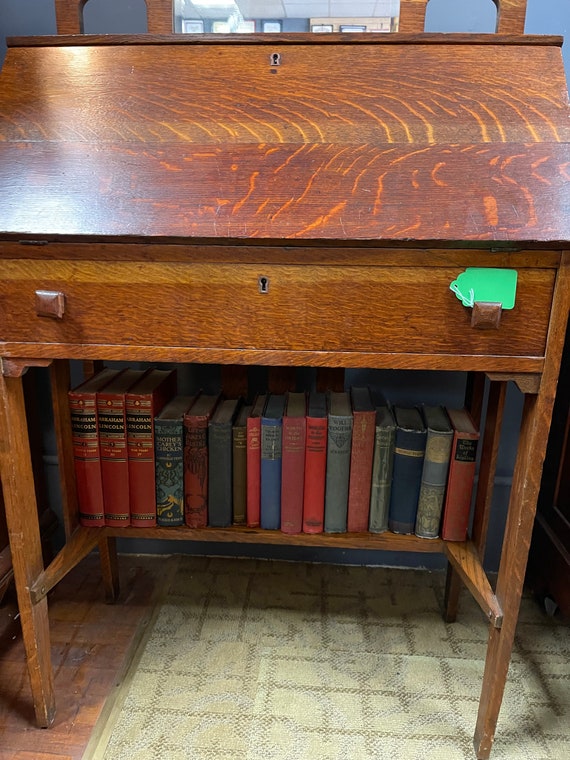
(486, 315)
(50, 303)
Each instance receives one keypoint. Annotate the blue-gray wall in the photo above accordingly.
(30, 17)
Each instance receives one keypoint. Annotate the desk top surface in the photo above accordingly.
(459, 139)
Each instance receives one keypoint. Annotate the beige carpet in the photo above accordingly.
(255, 660)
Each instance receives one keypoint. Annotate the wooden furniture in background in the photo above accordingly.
(150, 207)
(69, 16)
(549, 559)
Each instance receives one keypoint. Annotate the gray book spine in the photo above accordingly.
(220, 480)
(382, 467)
(337, 473)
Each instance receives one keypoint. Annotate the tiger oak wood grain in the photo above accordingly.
(153, 180)
(316, 151)
(306, 306)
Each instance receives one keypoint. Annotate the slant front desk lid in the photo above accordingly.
(454, 138)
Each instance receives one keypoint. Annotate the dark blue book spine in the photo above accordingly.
(271, 455)
(406, 480)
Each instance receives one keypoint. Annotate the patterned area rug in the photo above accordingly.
(257, 660)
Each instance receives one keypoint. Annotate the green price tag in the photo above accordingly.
(484, 284)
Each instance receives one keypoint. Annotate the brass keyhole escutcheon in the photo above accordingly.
(263, 284)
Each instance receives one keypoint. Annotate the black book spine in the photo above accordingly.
(220, 481)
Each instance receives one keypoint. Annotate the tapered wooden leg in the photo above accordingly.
(453, 586)
(24, 533)
(516, 543)
(488, 464)
(533, 438)
(109, 568)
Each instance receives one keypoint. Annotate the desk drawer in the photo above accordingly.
(381, 309)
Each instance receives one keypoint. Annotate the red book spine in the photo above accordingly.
(114, 463)
(292, 473)
(361, 457)
(141, 409)
(253, 469)
(457, 506)
(196, 471)
(87, 458)
(315, 475)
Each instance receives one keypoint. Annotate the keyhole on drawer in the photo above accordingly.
(275, 59)
(263, 284)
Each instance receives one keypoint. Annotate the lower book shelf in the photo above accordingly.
(387, 541)
(462, 555)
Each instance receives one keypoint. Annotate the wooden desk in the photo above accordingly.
(148, 183)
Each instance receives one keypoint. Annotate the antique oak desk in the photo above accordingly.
(284, 201)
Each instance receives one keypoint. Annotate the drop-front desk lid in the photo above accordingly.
(381, 138)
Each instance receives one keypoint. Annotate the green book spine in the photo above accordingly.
(169, 461)
(169, 468)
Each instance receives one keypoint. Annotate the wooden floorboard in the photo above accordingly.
(91, 643)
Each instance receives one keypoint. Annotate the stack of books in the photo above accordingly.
(296, 462)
